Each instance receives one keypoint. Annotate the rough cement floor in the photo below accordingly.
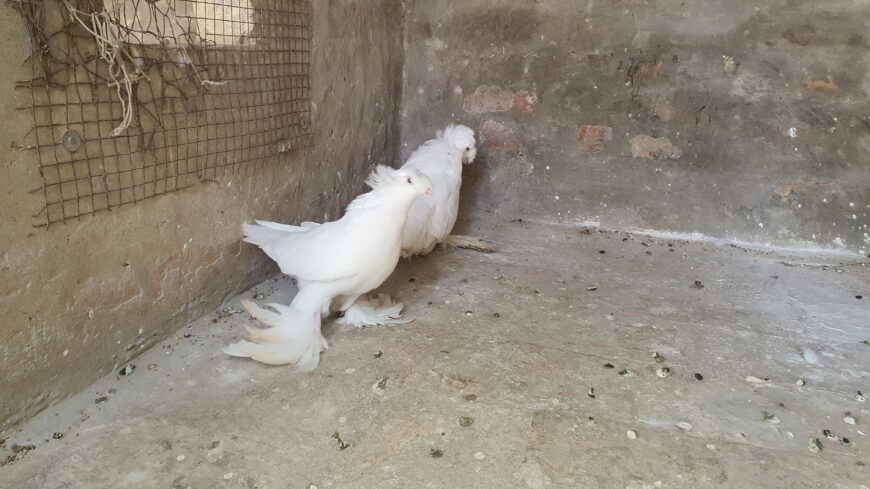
(492, 385)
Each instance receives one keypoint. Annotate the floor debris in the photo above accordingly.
(342, 445)
(524, 378)
(380, 386)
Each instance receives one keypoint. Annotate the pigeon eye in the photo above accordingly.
(409, 179)
(468, 148)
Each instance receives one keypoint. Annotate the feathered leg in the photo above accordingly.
(347, 301)
(314, 297)
(380, 310)
(292, 338)
(469, 243)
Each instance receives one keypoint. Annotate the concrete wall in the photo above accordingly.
(80, 298)
(741, 120)
(745, 120)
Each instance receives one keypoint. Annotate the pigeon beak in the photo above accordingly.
(429, 191)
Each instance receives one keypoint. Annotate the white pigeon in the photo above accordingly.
(344, 258)
(431, 217)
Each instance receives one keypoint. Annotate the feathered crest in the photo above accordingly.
(383, 176)
(458, 136)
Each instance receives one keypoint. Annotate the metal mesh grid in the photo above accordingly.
(214, 85)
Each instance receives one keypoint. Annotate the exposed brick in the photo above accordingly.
(644, 68)
(593, 138)
(497, 136)
(526, 101)
(489, 98)
(822, 85)
(643, 146)
(802, 36)
(649, 70)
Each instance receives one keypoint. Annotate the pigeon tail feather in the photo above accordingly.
(261, 235)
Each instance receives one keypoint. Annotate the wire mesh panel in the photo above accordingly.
(136, 98)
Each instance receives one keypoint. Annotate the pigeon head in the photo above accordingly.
(407, 180)
(462, 138)
(418, 182)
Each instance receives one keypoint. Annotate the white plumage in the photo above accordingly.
(431, 217)
(343, 258)
(374, 311)
(287, 340)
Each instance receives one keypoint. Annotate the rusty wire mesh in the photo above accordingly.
(137, 98)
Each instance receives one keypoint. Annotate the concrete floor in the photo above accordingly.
(491, 386)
